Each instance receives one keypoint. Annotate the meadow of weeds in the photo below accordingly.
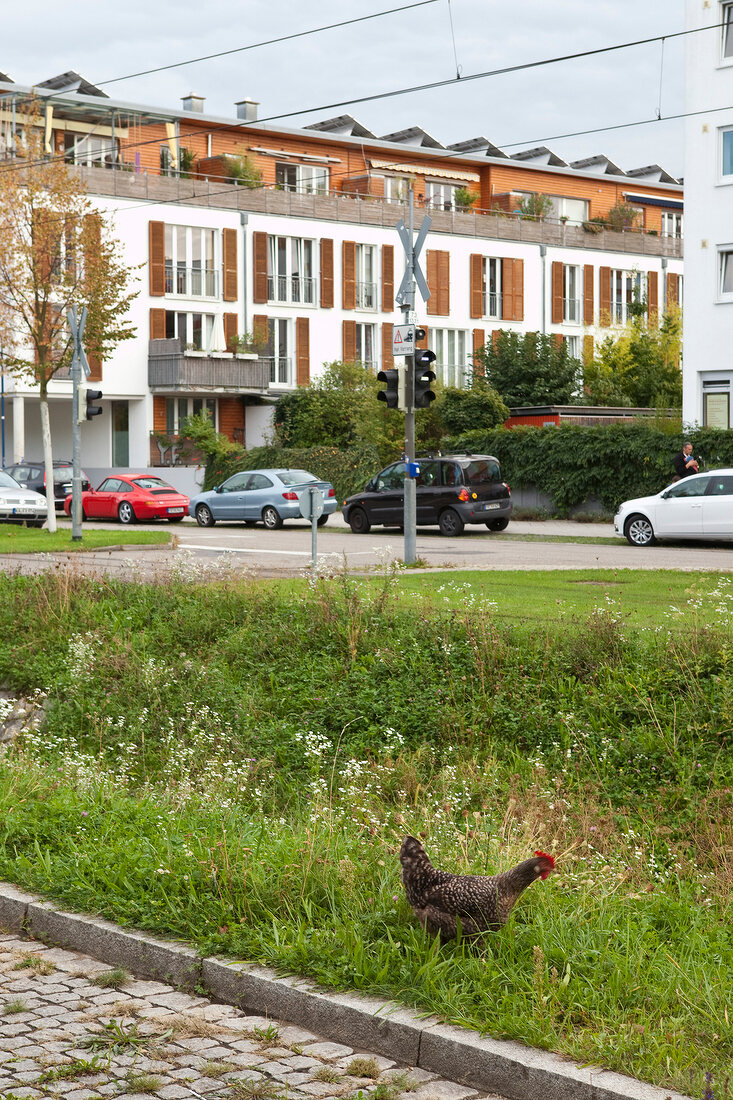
(237, 763)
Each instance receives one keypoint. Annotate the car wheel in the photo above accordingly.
(639, 531)
(271, 518)
(204, 518)
(450, 522)
(126, 512)
(175, 519)
(359, 521)
(250, 522)
(322, 520)
(497, 524)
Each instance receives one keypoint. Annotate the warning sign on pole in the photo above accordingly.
(403, 339)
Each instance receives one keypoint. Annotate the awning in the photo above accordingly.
(654, 200)
(426, 170)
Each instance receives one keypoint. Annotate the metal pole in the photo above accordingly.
(410, 513)
(77, 332)
(2, 404)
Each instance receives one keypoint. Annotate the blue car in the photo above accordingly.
(270, 496)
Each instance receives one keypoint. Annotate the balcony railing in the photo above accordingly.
(366, 295)
(296, 289)
(492, 304)
(280, 369)
(194, 282)
(572, 310)
(172, 369)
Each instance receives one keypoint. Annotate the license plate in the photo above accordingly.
(174, 511)
(24, 511)
(487, 506)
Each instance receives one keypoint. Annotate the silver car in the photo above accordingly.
(699, 506)
(267, 496)
(19, 505)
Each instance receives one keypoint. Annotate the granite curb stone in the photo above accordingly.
(518, 1072)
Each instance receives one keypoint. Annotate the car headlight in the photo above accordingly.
(4, 502)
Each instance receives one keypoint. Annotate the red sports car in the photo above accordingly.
(132, 497)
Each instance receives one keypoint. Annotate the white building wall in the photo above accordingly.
(708, 321)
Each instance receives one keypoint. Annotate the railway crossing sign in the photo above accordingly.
(412, 267)
(403, 339)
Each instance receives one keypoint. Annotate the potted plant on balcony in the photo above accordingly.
(465, 198)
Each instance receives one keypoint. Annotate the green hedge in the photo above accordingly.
(614, 463)
(348, 470)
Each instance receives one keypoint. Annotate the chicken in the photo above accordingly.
(481, 903)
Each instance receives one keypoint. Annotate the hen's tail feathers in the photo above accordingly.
(412, 854)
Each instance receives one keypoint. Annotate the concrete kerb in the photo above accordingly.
(461, 1055)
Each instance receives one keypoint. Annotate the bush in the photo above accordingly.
(614, 463)
(347, 470)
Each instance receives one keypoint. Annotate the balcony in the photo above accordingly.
(366, 295)
(293, 289)
(171, 369)
(193, 282)
(572, 310)
(492, 305)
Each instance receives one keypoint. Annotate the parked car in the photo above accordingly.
(19, 505)
(32, 475)
(452, 490)
(271, 496)
(132, 497)
(697, 507)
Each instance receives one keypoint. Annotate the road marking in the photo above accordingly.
(242, 550)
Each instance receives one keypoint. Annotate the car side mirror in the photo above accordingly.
(217, 488)
(665, 494)
(371, 485)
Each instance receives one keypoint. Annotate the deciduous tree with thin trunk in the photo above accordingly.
(56, 250)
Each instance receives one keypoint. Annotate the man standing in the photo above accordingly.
(684, 463)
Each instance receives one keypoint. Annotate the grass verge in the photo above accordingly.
(236, 764)
(27, 540)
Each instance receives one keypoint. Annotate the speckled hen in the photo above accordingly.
(481, 903)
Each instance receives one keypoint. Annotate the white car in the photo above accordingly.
(699, 506)
(19, 505)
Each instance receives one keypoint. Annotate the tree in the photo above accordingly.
(641, 366)
(477, 408)
(529, 369)
(55, 252)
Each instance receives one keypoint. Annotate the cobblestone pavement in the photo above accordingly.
(70, 1027)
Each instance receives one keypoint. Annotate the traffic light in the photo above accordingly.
(392, 393)
(423, 377)
(87, 407)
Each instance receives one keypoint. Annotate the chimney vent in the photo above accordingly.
(247, 109)
(194, 103)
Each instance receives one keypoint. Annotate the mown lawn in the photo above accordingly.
(29, 540)
(237, 764)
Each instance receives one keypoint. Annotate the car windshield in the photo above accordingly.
(295, 477)
(8, 482)
(480, 470)
(152, 483)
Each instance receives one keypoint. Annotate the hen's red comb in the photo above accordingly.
(544, 855)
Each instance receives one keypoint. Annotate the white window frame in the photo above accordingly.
(572, 300)
(366, 344)
(280, 351)
(674, 220)
(366, 277)
(561, 209)
(178, 408)
(396, 188)
(440, 195)
(451, 356)
(572, 343)
(491, 288)
(192, 328)
(191, 261)
(724, 268)
(291, 270)
(726, 33)
(309, 179)
(623, 284)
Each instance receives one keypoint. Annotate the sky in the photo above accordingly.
(102, 40)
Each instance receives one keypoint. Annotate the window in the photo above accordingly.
(439, 195)
(492, 287)
(190, 267)
(721, 486)
(571, 303)
(194, 330)
(627, 287)
(726, 273)
(689, 487)
(366, 286)
(366, 345)
(672, 224)
(279, 351)
(572, 344)
(572, 211)
(306, 179)
(396, 188)
(451, 365)
(290, 270)
(178, 409)
(90, 150)
(727, 21)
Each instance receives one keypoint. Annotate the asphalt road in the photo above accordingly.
(288, 551)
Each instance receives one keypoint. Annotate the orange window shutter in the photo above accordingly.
(302, 350)
(387, 357)
(652, 296)
(230, 330)
(476, 273)
(348, 264)
(479, 339)
(156, 258)
(349, 341)
(260, 334)
(431, 272)
(444, 283)
(229, 250)
(604, 296)
(157, 324)
(159, 418)
(588, 303)
(557, 288)
(558, 338)
(518, 280)
(326, 273)
(387, 278)
(588, 349)
(259, 264)
(673, 296)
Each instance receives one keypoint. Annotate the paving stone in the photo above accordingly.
(329, 1051)
(443, 1090)
(174, 1092)
(316, 1088)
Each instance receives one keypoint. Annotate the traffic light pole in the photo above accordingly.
(77, 332)
(410, 513)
